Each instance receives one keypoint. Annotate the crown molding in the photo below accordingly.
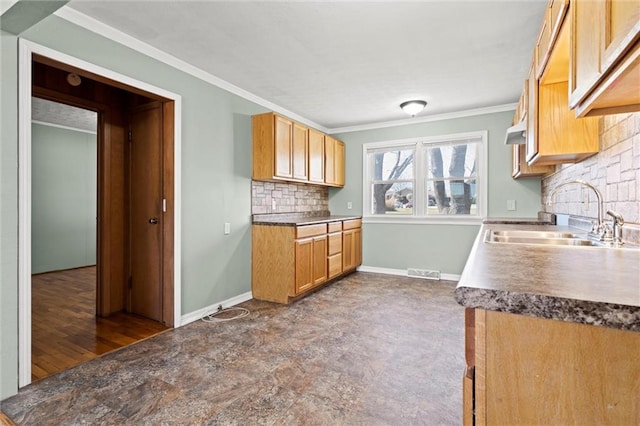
(104, 30)
(426, 119)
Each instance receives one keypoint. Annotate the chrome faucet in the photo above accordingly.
(600, 228)
(618, 221)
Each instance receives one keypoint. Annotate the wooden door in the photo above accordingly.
(339, 163)
(585, 48)
(621, 28)
(357, 247)
(304, 265)
(316, 156)
(145, 211)
(283, 147)
(299, 158)
(348, 256)
(329, 162)
(532, 115)
(319, 259)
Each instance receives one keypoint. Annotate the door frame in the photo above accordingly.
(26, 50)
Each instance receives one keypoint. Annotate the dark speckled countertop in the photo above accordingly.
(292, 220)
(587, 285)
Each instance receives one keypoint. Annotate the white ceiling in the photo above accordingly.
(46, 111)
(345, 63)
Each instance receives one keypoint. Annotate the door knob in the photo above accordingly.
(153, 221)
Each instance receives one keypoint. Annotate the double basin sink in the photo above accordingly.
(551, 238)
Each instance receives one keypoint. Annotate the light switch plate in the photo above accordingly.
(227, 228)
(349, 205)
(511, 205)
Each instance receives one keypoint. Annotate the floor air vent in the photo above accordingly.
(426, 274)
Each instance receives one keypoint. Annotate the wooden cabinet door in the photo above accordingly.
(357, 247)
(348, 245)
(585, 48)
(316, 156)
(621, 28)
(334, 161)
(532, 115)
(319, 259)
(299, 156)
(304, 265)
(339, 163)
(283, 147)
(329, 160)
(542, 46)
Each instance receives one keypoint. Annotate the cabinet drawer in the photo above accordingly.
(335, 243)
(335, 265)
(311, 230)
(352, 224)
(335, 226)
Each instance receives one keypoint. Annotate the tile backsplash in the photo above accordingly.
(272, 197)
(615, 170)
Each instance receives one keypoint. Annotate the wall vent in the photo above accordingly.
(426, 274)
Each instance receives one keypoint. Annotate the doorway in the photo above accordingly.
(116, 99)
(65, 328)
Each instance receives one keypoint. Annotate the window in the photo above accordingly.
(439, 178)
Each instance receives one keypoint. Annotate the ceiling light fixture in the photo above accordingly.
(413, 107)
(74, 79)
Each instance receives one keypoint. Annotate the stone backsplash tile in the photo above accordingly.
(272, 197)
(615, 170)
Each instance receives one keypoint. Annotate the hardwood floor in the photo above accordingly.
(367, 350)
(65, 330)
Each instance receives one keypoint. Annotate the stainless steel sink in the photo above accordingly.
(538, 234)
(570, 241)
(551, 238)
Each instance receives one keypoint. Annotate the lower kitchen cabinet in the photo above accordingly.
(351, 244)
(288, 261)
(311, 263)
(524, 371)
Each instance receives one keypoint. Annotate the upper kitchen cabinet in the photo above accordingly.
(288, 151)
(521, 169)
(300, 152)
(605, 57)
(272, 147)
(316, 156)
(553, 18)
(554, 134)
(334, 161)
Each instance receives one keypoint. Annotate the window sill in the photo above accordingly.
(411, 220)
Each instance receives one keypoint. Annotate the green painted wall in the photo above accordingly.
(441, 247)
(63, 198)
(8, 214)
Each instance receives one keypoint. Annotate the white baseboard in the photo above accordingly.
(403, 272)
(196, 315)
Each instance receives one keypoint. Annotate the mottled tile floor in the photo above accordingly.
(367, 350)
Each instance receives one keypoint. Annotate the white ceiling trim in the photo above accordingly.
(109, 32)
(427, 119)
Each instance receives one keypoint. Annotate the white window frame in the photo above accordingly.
(420, 170)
